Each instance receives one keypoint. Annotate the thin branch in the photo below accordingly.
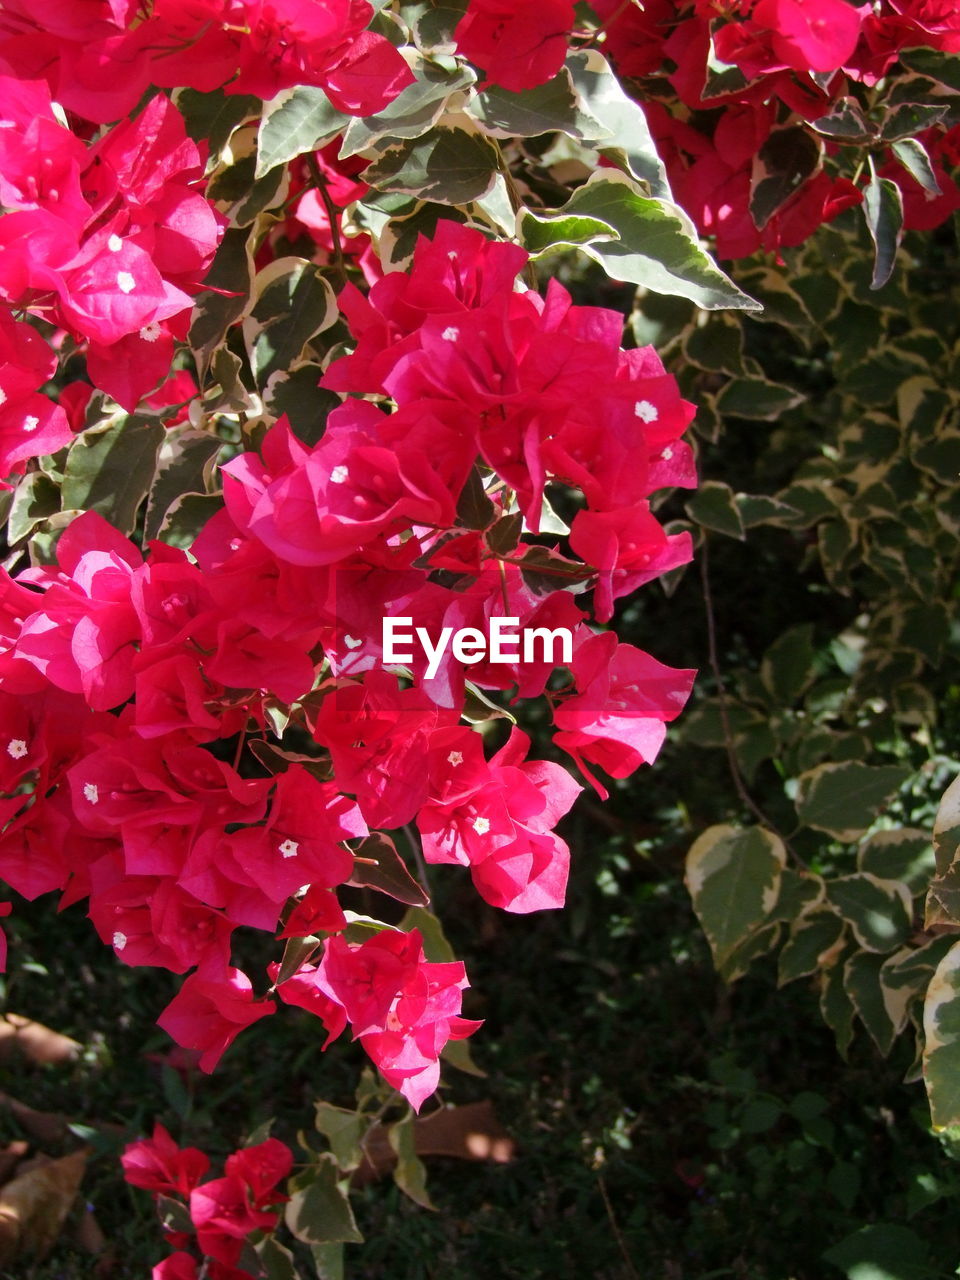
(615, 1227)
(333, 213)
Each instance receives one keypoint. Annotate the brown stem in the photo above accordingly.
(333, 213)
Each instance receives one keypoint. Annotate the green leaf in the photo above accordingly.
(815, 940)
(844, 799)
(291, 303)
(782, 303)
(409, 1173)
(845, 122)
(783, 164)
(625, 136)
(433, 23)
(905, 854)
(941, 1054)
(187, 516)
(110, 470)
(459, 1055)
(910, 118)
(883, 210)
(713, 506)
(319, 1211)
(35, 499)
(435, 945)
(946, 828)
(389, 875)
(715, 344)
(296, 392)
(449, 166)
(879, 912)
(553, 107)
(861, 978)
(212, 117)
(761, 508)
(296, 952)
(787, 668)
(214, 313)
(182, 465)
(882, 1251)
(944, 68)
(276, 1259)
(345, 1131)
(913, 156)
(328, 1261)
(836, 1006)
(296, 121)
(733, 876)
(413, 112)
(542, 231)
(474, 509)
(758, 399)
(237, 186)
(658, 245)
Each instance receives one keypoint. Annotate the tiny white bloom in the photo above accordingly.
(17, 748)
(667, 454)
(289, 848)
(450, 334)
(119, 940)
(351, 642)
(151, 332)
(646, 411)
(481, 826)
(339, 475)
(114, 244)
(3, 396)
(126, 282)
(455, 758)
(90, 792)
(30, 423)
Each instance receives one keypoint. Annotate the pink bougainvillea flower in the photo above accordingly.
(810, 35)
(209, 1013)
(158, 1164)
(518, 46)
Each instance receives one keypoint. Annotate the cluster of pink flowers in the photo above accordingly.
(224, 1212)
(718, 77)
(129, 682)
(100, 56)
(108, 242)
(787, 63)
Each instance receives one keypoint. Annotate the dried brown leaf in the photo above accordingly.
(35, 1041)
(33, 1206)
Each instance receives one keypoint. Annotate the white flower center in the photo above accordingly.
(667, 454)
(646, 411)
(90, 792)
(450, 334)
(17, 748)
(289, 848)
(119, 940)
(339, 475)
(455, 758)
(351, 642)
(151, 332)
(30, 423)
(126, 282)
(481, 826)
(3, 396)
(114, 244)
